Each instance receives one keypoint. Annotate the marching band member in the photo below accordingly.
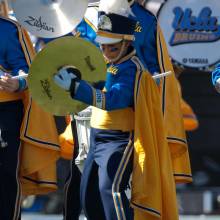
(12, 59)
(151, 50)
(127, 132)
(216, 78)
(35, 175)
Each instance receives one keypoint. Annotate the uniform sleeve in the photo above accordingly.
(15, 54)
(150, 49)
(119, 96)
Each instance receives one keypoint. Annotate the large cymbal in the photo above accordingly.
(65, 51)
(49, 18)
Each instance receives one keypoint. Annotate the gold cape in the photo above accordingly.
(171, 107)
(39, 139)
(39, 150)
(153, 185)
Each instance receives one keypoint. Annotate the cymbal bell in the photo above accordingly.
(49, 18)
(65, 51)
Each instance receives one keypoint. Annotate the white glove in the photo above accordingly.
(217, 85)
(67, 79)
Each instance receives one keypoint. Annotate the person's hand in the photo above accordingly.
(68, 78)
(8, 83)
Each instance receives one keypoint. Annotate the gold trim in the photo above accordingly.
(24, 40)
(113, 35)
(90, 24)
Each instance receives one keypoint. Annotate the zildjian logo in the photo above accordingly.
(34, 22)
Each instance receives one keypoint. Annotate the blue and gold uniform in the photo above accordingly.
(151, 50)
(127, 133)
(118, 88)
(88, 26)
(146, 38)
(14, 56)
(19, 132)
(112, 125)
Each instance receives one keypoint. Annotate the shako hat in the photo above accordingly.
(115, 22)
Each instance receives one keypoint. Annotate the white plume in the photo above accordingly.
(120, 7)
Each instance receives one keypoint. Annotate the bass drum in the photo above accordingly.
(83, 132)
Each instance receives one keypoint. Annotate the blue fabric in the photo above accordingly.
(145, 38)
(86, 32)
(12, 56)
(101, 170)
(119, 87)
(216, 74)
(11, 115)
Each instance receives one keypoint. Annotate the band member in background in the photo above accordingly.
(152, 51)
(190, 120)
(14, 58)
(216, 78)
(122, 112)
(19, 132)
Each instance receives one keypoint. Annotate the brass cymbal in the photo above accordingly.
(65, 51)
(49, 18)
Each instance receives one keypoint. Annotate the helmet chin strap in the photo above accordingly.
(120, 55)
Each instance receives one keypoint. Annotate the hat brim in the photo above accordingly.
(107, 40)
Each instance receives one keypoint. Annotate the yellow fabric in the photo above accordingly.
(189, 118)
(39, 138)
(8, 96)
(173, 117)
(153, 186)
(182, 171)
(67, 143)
(40, 150)
(122, 119)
